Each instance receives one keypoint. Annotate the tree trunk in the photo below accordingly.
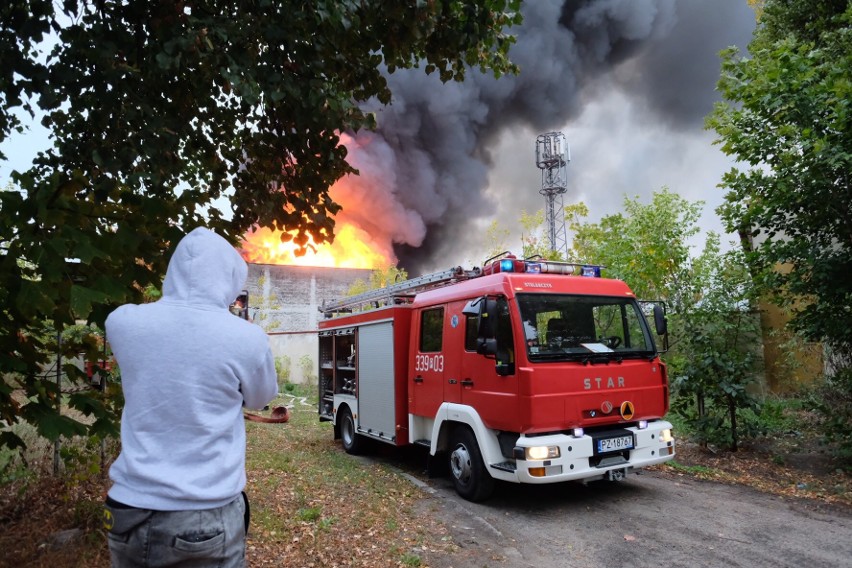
(732, 409)
(57, 444)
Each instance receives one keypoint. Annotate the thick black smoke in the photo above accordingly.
(424, 179)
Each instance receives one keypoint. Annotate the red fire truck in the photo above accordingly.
(527, 371)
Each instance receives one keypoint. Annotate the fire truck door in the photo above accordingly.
(427, 368)
(494, 396)
(454, 329)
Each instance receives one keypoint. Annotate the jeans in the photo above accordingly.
(159, 539)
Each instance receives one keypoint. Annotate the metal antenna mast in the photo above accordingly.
(552, 156)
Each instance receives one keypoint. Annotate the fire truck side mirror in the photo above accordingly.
(660, 322)
(486, 311)
(488, 319)
(486, 346)
(487, 341)
(661, 325)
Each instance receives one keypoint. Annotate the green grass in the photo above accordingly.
(409, 559)
(310, 514)
(320, 503)
(692, 469)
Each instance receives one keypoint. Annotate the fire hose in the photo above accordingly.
(280, 414)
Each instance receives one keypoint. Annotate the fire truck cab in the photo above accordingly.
(524, 371)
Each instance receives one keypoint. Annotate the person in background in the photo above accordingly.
(188, 367)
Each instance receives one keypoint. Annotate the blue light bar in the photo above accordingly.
(507, 265)
(533, 267)
(591, 271)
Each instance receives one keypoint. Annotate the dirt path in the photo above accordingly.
(655, 519)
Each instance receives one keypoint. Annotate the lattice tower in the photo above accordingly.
(552, 156)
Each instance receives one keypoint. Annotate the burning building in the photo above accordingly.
(286, 290)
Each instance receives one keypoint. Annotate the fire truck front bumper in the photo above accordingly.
(609, 454)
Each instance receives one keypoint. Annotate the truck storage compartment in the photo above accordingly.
(377, 389)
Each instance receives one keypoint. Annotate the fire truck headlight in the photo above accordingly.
(666, 435)
(542, 452)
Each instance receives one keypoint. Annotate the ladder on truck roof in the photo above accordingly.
(401, 292)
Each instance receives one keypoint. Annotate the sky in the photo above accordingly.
(628, 82)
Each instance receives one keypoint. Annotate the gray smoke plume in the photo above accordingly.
(628, 81)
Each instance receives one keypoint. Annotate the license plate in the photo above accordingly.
(615, 444)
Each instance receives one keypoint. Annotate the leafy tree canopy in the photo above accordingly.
(787, 120)
(647, 246)
(156, 109)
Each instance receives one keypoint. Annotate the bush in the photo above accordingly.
(282, 369)
(709, 422)
(307, 365)
(717, 367)
(832, 400)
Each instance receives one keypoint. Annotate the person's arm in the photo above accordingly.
(262, 386)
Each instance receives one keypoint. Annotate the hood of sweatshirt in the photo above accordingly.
(205, 270)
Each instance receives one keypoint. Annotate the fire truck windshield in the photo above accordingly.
(561, 326)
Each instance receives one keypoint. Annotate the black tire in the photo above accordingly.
(352, 441)
(471, 479)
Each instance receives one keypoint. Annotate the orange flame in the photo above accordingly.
(352, 248)
(356, 244)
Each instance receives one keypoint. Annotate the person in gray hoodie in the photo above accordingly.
(188, 367)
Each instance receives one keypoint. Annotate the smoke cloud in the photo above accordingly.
(627, 81)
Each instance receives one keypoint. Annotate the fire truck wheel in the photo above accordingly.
(471, 479)
(352, 442)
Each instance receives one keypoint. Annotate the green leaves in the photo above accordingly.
(52, 425)
(788, 121)
(647, 245)
(83, 298)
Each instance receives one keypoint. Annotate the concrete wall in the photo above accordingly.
(285, 301)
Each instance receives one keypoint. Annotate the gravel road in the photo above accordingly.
(654, 519)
